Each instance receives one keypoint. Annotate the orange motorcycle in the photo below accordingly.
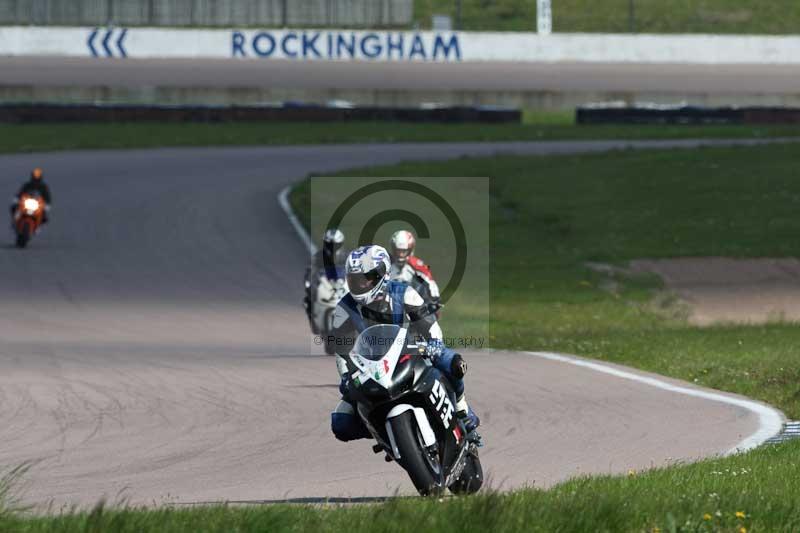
(28, 218)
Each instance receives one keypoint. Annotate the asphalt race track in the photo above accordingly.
(495, 76)
(153, 348)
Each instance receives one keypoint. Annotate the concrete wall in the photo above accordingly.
(276, 13)
(332, 44)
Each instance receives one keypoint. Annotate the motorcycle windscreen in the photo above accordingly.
(376, 341)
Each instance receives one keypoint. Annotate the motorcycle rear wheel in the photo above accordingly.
(425, 471)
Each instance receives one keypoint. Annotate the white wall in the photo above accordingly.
(402, 46)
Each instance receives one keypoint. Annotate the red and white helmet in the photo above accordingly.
(403, 243)
(367, 272)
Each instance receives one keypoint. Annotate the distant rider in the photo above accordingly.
(374, 299)
(34, 186)
(329, 262)
(410, 269)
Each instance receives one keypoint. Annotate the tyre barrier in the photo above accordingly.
(288, 112)
(614, 114)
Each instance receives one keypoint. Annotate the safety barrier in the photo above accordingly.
(345, 45)
(598, 114)
(293, 112)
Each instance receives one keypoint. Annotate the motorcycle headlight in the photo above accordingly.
(31, 204)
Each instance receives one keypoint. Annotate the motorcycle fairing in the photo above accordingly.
(380, 371)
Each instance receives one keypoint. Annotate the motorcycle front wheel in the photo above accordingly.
(330, 348)
(423, 467)
(24, 232)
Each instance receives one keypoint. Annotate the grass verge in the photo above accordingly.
(537, 127)
(749, 492)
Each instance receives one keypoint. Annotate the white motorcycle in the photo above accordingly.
(409, 407)
(328, 294)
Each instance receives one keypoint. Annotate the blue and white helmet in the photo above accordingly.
(367, 272)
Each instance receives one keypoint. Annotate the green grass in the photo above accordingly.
(537, 127)
(762, 485)
(613, 16)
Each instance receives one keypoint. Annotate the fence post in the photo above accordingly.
(544, 17)
(631, 16)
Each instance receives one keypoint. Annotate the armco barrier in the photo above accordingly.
(26, 113)
(687, 115)
(347, 45)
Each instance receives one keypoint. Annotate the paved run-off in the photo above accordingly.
(722, 289)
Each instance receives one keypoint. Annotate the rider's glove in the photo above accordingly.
(435, 348)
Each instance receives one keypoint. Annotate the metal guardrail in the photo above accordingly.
(268, 13)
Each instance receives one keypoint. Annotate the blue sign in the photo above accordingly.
(386, 46)
(106, 42)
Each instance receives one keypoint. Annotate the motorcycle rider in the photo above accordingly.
(328, 262)
(410, 269)
(35, 185)
(374, 299)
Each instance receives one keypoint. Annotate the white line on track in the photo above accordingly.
(770, 419)
(283, 199)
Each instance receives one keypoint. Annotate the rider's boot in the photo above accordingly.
(471, 420)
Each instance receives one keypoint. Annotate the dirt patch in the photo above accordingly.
(720, 289)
